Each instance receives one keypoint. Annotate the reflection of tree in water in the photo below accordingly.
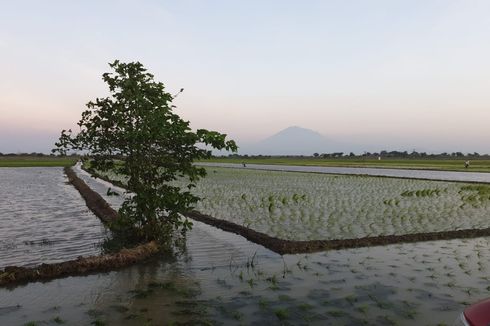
(156, 292)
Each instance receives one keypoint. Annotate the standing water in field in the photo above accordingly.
(43, 219)
(308, 206)
(225, 280)
(384, 172)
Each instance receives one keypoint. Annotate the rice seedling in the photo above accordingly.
(251, 283)
(387, 320)
(240, 276)
(263, 303)
(302, 206)
(351, 299)
(281, 313)
(336, 313)
(58, 320)
(31, 323)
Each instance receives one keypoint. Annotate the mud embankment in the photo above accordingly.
(82, 265)
(94, 201)
(282, 246)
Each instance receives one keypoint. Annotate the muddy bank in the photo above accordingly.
(282, 247)
(80, 266)
(94, 201)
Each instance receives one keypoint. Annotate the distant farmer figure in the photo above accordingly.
(244, 165)
(466, 164)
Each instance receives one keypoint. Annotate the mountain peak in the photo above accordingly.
(293, 140)
(296, 130)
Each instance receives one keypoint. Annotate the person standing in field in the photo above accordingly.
(466, 164)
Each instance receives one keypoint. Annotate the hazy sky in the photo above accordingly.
(393, 74)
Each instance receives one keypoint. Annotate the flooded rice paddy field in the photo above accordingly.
(43, 219)
(305, 206)
(483, 177)
(224, 279)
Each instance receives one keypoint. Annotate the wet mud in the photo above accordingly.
(80, 266)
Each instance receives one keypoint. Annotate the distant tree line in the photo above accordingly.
(391, 154)
(35, 154)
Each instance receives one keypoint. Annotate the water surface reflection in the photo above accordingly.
(224, 279)
(43, 219)
(483, 177)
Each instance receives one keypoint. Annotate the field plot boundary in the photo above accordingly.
(283, 247)
(265, 168)
(94, 201)
(83, 265)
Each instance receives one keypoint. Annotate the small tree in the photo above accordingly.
(135, 132)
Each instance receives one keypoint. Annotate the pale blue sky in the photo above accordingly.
(388, 74)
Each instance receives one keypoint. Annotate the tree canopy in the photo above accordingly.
(134, 131)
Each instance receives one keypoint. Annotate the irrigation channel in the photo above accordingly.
(480, 177)
(224, 279)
